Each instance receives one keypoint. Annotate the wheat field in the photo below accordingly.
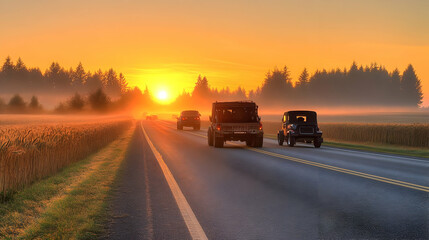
(412, 135)
(29, 152)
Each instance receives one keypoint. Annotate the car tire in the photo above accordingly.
(280, 138)
(317, 143)
(179, 126)
(249, 142)
(258, 141)
(290, 141)
(218, 141)
(209, 138)
(197, 127)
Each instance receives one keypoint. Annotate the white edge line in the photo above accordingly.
(188, 215)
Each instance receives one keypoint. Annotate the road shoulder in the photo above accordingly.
(142, 205)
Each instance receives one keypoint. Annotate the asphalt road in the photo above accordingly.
(276, 192)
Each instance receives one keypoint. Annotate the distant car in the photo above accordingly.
(300, 126)
(189, 118)
(235, 121)
(151, 117)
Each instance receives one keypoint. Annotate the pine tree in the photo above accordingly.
(8, 65)
(34, 103)
(303, 78)
(411, 87)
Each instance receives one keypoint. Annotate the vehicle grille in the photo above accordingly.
(306, 130)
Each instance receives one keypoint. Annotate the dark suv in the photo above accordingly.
(189, 118)
(235, 121)
(300, 126)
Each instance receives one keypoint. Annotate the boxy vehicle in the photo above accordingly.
(235, 121)
(300, 126)
(189, 118)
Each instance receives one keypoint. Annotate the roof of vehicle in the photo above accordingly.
(300, 111)
(235, 103)
(190, 111)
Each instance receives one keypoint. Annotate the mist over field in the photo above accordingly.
(357, 94)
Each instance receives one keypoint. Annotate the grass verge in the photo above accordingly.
(372, 147)
(69, 205)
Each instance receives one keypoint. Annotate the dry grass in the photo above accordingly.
(412, 135)
(30, 152)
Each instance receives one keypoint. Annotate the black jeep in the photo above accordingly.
(235, 121)
(189, 118)
(300, 126)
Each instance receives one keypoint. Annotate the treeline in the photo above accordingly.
(100, 102)
(17, 104)
(56, 80)
(109, 92)
(357, 86)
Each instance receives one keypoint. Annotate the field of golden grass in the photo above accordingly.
(30, 151)
(412, 135)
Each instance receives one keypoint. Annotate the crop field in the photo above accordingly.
(32, 149)
(411, 135)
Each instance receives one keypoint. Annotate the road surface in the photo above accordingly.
(275, 192)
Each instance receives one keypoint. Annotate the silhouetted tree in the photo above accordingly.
(276, 86)
(123, 83)
(76, 103)
(201, 89)
(8, 65)
(17, 104)
(99, 101)
(411, 87)
(34, 104)
(94, 82)
(395, 87)
(303, 79)
(20, 66)
(111, 83)
(78, 77)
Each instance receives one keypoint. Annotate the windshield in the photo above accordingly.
(236, 114)
(302, 117)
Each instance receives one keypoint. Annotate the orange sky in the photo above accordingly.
(165, 44)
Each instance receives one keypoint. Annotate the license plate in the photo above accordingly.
(239, 132)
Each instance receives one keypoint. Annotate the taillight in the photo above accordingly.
(218, 127)
(197, 118)
(183, 118)
(260, 126)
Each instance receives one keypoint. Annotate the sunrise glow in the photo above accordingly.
(152, 44)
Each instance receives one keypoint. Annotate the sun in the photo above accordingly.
(162, 96)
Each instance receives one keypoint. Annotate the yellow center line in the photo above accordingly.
(337, 169)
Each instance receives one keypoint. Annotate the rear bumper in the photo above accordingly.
(189, 123)
(312, 136)
(239, 136)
